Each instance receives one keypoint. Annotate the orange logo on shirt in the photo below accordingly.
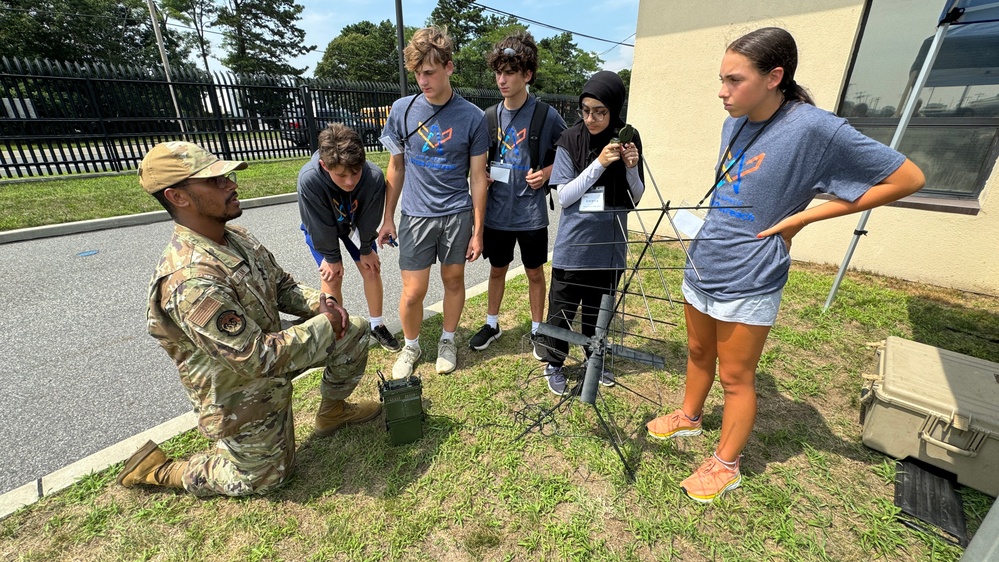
(742, 170)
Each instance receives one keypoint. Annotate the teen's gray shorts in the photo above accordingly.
(425, 240)
(758, 310)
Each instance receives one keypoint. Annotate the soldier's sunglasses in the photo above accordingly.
(221, 182)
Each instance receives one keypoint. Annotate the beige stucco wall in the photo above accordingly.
(674, 104)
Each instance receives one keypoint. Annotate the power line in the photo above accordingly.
(542, 24)
(614, 47)
(182, 26)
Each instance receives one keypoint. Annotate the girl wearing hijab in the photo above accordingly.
(778, 152)
(592, 170)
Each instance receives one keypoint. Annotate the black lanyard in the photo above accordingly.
(405, 117)
(499, 131)
(719, 173)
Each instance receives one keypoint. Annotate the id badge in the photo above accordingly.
(687, 223)
(500, 172)
(593, 200)
(355, 237)
(391, 145)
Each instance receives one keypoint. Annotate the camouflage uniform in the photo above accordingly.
(215, 310)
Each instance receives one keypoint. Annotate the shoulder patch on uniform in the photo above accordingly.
(231, 323)
(204, 311)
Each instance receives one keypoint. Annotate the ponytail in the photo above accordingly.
(792, 91)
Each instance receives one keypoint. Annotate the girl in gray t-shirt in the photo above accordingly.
(778, 152)
(592, 169)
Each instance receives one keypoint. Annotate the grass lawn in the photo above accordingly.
(55, 201)
(470, 491)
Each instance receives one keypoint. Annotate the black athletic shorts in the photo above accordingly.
(497, 245)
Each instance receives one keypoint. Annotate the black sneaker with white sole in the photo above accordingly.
(486, 335)
(538, 346)
(386, 339)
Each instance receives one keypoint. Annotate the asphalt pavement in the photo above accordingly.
(81, 373)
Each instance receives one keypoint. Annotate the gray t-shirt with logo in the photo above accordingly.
(514, 205)
(803, 152)
(437, 149)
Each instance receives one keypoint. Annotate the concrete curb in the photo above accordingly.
(61, 479)
(67, 476)
(51, 230)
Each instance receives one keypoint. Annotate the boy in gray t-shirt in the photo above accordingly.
(438, 143)
(520, 166)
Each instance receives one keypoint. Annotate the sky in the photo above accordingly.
(615, 20)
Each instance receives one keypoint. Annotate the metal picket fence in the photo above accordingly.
(65, 118)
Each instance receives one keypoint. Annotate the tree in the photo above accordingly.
(260, 35)
(113, 32)
(563, 66)
(465, 22)
(625, 74)
(362, 51)
(471, 69)
(197, 14)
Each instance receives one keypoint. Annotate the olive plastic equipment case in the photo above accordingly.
(403, 399)
(937, 406)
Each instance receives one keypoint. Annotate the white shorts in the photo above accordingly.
(758, 310)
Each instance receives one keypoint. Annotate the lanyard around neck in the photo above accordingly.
(499, 121)
(405, 117)
(719, 173)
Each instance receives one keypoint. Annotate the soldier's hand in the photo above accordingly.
(335, 313)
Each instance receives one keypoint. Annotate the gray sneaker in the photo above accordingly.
(408, 357)
(556, 380)
(447, 356)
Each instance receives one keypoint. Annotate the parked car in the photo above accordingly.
(295, 129)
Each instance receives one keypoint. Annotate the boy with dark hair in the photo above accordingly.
(523, 132)
(438, 142)
(341, 199)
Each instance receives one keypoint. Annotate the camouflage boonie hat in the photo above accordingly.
(170, 163)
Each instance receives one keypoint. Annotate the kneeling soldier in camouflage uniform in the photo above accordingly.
(214, 305)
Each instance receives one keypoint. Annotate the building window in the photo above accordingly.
(954, 134)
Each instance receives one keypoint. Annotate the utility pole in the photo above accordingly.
(401, 38)
(166, 65)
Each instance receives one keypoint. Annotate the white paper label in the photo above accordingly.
(355, 237)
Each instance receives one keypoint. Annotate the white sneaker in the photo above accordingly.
(447, 358)
(403, 367)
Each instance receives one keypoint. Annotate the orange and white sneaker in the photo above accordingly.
(711, 480)
(673, 424)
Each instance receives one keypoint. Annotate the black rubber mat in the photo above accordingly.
(927, 494)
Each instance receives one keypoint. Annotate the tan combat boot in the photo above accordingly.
(334, 414)
(149, 465)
